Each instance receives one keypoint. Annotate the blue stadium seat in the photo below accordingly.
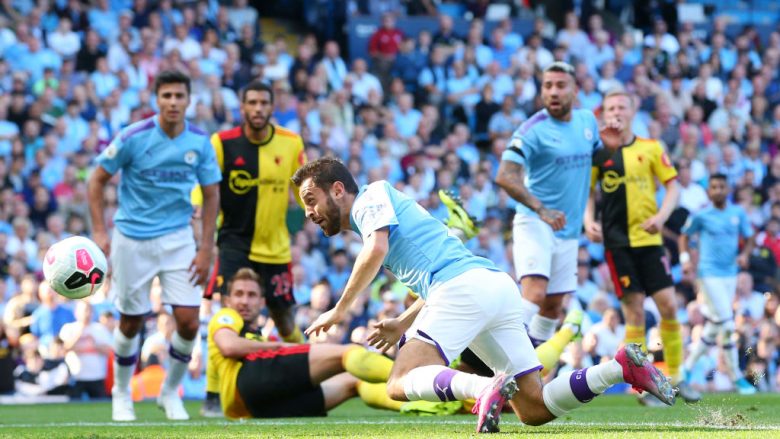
(454, 10)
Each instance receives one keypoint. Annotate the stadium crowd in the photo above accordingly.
(426, 112)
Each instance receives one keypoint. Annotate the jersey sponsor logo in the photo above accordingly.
(241, 182)
(574, 161)
(239, 161)
(225, 319)
(168, 175)
(190, 157)
(516, 142)
(612, 181)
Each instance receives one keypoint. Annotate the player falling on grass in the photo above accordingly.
(546, 167)
(466, 302)
(264, 379)
(257, 160)
(631, 223)
(161, 158)
(719, 228)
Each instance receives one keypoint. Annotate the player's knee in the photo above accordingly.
(188, 329)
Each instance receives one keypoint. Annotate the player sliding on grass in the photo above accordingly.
(267, 379)
(466, 301)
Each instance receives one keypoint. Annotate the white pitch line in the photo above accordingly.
(386, 422)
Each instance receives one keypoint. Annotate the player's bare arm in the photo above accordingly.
(232, 345)
(592, 228)
(655, 223)
(95, 187)
(743, 258)
(386, 333)
(367, 264)
(202, 262)
(685, 257)
(510, 178)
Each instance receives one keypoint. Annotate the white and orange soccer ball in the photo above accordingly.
(75, 267)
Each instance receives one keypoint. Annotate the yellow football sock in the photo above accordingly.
(294, 337)
(550, 351)
(375, 395)
(671, 337)
(365, 365)
(635, 334)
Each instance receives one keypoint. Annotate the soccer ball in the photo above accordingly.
(75, 267)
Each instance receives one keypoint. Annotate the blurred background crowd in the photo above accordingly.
(424, 107)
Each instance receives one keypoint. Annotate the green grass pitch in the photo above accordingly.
(717, 416)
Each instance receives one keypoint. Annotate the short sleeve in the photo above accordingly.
(692, 225)
(662, 164)
(115, 156)
(208, 169)
(373, 210)
(226, 318)
(521, 147)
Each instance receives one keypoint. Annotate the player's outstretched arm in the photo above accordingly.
(510, 178)
(386, 333)
(232, 345)
(367, 264)
(655, 223)
(95, 189)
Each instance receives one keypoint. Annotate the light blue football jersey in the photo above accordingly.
(556, 157)
(158, 174)
(719, 232)
(421, 252)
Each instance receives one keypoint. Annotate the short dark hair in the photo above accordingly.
(719, 176)
(257, 85)
(324, 172)
(245, 273)
(171, 77)
(562, 67)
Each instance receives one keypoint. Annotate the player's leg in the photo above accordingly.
(328, 360)
(460, 223)
(177, 250)
(533, 248)
(709, 334)
(625, 281)
(131, 280)
(563, 280)
(277, 288)
(338, 389)
(452, 315)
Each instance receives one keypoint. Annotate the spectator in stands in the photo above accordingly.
(50, 316)
(87, 345)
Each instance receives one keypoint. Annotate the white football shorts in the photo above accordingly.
(718, 295)
(538, 252)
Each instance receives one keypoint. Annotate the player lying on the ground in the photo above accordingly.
(465, 301)
(268, 379)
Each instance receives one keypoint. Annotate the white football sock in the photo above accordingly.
(709, 335)
(180, 355)
(571, 390)
(125, 357)
(542, 328)
(440, 383)
(529, 310)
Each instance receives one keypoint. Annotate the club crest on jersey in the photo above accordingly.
(588, 134)
(734, 220)
(225, 320)
(111, 151)
(190, 157)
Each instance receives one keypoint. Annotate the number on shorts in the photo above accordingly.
(282, 284)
